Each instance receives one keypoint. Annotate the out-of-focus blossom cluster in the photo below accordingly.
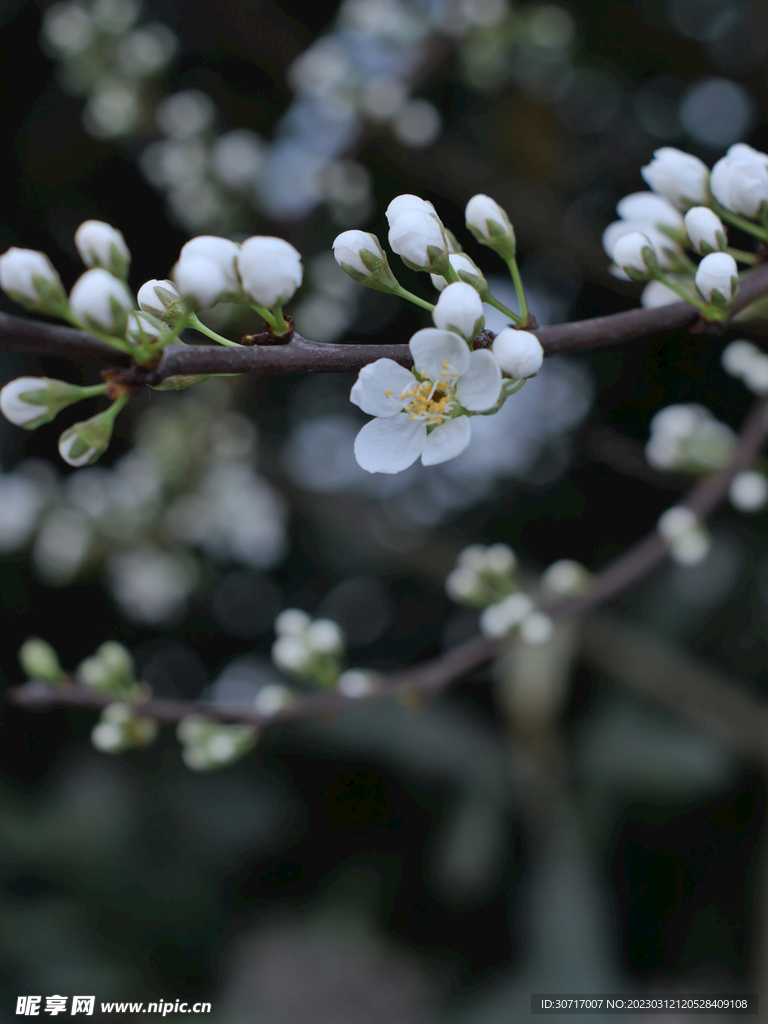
(689, 439)
(486, 578)
(187, 493)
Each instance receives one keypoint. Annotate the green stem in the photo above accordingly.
(503, 309)
(405, 294)
(198, 325)
(740, 222)
(119, 343)
(93, 391)
(116, 406)
(450, 274)
(515, 272)
(691, 299)
(741, 255)
(265, 313)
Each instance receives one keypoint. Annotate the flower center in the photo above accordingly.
(431, 401)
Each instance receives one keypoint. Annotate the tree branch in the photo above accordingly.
(435, 675)
(300, 355)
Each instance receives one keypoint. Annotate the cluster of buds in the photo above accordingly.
(120, 728)
(312, 651)
(485, 578)
(688, 439)
(207, 745)
(110, 669)
(687, 211)
(748, 363)
(686, 537)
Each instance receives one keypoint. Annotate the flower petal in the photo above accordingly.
(431, 347)
(375, 380)
(446, 441)
(480, 386)
(389, 445)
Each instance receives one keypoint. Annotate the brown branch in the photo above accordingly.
(300, 355)
(433, 676)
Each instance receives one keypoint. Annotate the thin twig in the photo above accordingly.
(435, 675)
(301, 355)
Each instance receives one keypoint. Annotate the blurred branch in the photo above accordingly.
(300, 355)
(434, 676)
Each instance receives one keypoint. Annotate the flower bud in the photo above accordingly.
(30, 402)
(325, 636)
(498, 619)
(201, 282)
(360, 255)
(490, 225)
(209, 745)
(717, 278)
(161, 299)
(121, 729)
(668, 252)
(101, 245)
(291, 621)
(657, 294)
(635, 255)
(680, 177)
(109, 669)
(220, 251)
(416, 235)
(536, 629)
(289, 653)
(144, 329)
(748, 491)
(30, 279)
(460, 309)
(407, 202)
(739, 182)
(84, 443)
(468, 272)
(40, 661)
(705, 230)
(651, 209)
(737, 357)
(518, 353)
(270, 269)
(99, 300)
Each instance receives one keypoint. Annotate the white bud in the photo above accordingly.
(141, 329)
(459, 308)
(161, 299)
(349, 246)
(459, 261)
(518, 353)
(270, 269)
(29, 277)
(355, 683)
(272, 698)
(461, 583)
(755, 376)
(108, 738)
(289, 653)
(675, 522)
(413, 232)
(500, 558)
(717, 273)
(666, 250)
(565, 578)
(407, 202)
(12, 404)
(692, 547)
(472, 557)
(748, 491)
(200, 281)
(680, 177)
(678, 421)
(657, 294)
(100, 299)
(101, 245)
(737, 357)
(630, 253)
(536, 629)
(741, 149)
(487, 221)
(740, 184)
(649, 208)
(325, 637)
(291, 621)
(40, 661)
(221, 251)
(498, 619)
(705, 230)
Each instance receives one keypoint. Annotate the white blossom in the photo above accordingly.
(100, 299)
(414, 231)
(101, 245)
(498, 619)
(356, 683)
(748, 491)
(292, 620)
(679, 177)
(406, 407)
(200, 281)
(717, 273)
(161, 299)
(519, 353)
(705, 230)
(325, 637)
(536, 629)
(140, 328)
(737, 357)
(270, 269)
(739, 182)
(222, 252)
(649, 209)
(459, 308)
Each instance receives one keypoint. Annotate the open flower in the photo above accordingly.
(423, 415)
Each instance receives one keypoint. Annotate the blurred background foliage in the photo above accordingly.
(387, 865)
